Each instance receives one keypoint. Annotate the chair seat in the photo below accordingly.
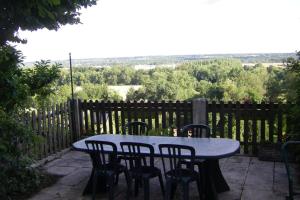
(185, 175)
(111, 168)
(145, 171)
(196, 161)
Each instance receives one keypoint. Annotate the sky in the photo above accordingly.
(125, 28)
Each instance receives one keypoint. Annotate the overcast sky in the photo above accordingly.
(120, 28)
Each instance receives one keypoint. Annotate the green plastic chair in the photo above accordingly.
(285, 157)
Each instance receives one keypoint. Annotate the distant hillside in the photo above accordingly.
(174, 59)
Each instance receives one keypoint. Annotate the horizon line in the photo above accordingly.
(163, 55)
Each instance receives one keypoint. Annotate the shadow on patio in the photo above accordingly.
(247, 177)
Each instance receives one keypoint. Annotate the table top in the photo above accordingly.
(204, 147)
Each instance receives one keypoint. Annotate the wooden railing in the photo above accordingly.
(110, 117)
(249, 123)
(53, 125)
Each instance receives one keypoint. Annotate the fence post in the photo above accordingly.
(75, 120)
(200, 111)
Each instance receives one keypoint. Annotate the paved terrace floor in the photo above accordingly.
(248, 178)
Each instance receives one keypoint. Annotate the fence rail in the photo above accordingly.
(250, 123)
(53, 126)
(110, 117)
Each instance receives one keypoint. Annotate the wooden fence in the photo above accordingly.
(109, 117)
(250, 123)
(53, 126)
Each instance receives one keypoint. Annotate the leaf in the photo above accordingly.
(54, 2)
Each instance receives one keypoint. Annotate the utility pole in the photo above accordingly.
(71, 75)
(72, 104)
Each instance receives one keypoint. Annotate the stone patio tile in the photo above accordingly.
(235, 173)
(239, 159)
(62, 171)
(75, 193)
(256, 194)
(44, 196)
(79, 163)
(279, 166)
(56, 162)
(223, 162)
(76, 155)
(260, 177)
(76, 177)
(233, 194)
(256, 161)
(281, 188)
(280, 177)
(247, 177)
(57, 190)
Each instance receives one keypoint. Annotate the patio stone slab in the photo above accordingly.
(239, 159)
(256, 194)
(233, 194)
(61, 171)
(248, 178)
(57, 190)
(235, 173)
(75, 178)
(44, 196)
(259, 178)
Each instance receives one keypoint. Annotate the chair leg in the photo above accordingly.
(161, 182)
(169, 189)
(203, 177)
(95, 179)
(136, 186)
(291, 190)
(185, 191)
(117, 179)
(201, 183)
(173, 189)
(146, 189)
(128, 181)
(199, 189)
(111, 187)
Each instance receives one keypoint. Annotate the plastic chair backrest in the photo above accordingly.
(138, 154)
(135, 128)
(173, 155)
(195, 130)
(99, 150)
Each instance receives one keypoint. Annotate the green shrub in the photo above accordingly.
(16, 176)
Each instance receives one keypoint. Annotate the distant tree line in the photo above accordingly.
(219, 79)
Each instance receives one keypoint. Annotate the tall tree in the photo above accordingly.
(16, 85)
(31, 15)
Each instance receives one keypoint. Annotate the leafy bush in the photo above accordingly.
(293, 94)
(17, 86)
(15, 175)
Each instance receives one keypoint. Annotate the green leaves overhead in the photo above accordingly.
(37, 14)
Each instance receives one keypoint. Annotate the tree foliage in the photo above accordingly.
(293, 94)
(225, 79)
(18, 85)
(31, 15)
